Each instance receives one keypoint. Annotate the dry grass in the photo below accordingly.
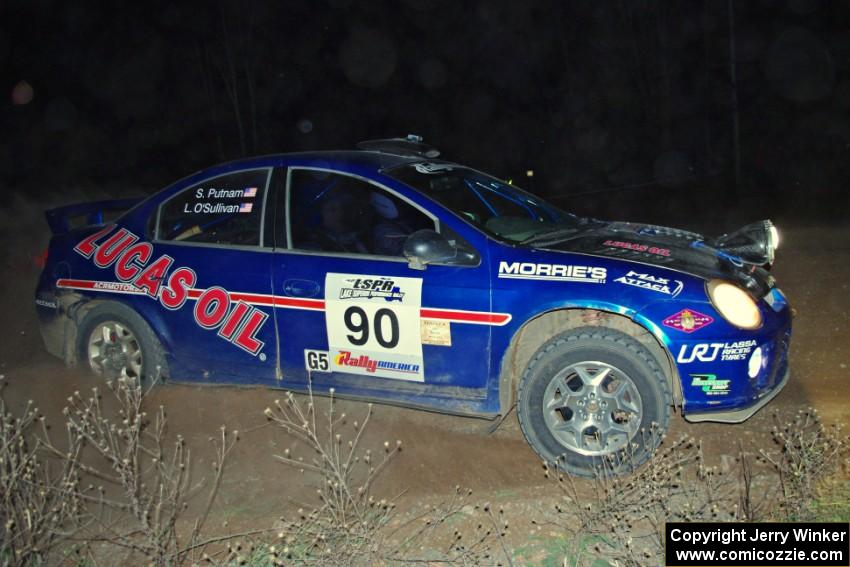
(625, 516)
(118, 479)
(121, 482)
(349, 524)
(41, 505)
(807, 453)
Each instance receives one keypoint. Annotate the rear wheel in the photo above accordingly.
(595, 401)
(117, 343)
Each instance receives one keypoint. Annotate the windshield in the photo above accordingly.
(500, 209)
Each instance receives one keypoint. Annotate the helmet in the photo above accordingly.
(384, 206)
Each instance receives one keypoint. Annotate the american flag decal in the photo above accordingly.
(250, 192)
(246, 207)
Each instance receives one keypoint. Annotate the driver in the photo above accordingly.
(390, 232)
(336, 232)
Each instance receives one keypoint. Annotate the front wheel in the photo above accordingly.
(594, 401)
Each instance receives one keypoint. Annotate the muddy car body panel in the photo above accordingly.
(243, 279)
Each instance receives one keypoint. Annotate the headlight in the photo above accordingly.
(774, 236)
(753, 244)
(734, 304)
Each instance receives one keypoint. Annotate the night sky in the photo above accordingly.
(621, 108)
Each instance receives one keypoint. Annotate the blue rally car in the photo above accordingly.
(391, 275)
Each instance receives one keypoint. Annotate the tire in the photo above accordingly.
(115, 342)
(594, 401)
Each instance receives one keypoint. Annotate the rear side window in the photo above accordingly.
(226, 210)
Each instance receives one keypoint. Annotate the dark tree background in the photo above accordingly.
(622, 107)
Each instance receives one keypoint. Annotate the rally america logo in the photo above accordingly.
(344, 358)
(369, 288)
(648, 281)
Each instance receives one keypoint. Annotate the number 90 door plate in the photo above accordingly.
(373, 325)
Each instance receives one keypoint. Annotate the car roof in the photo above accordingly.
(376, 160)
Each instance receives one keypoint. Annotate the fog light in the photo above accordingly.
(755, 363)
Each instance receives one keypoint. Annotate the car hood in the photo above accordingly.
(680, 250)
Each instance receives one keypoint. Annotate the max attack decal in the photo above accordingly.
(648, 281)
(236, 321)
(688, 321)
(708, 352)
(552, 272)
(709, 384)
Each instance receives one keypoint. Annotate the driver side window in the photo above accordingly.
(224, 210)
(332, 212)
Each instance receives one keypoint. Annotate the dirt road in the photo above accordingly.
(440, 452)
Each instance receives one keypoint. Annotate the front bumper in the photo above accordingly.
(743, 414)
(726, 385)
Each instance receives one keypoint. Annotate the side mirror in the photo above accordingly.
(427, 246)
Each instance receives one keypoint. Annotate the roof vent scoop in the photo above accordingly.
(411, 146)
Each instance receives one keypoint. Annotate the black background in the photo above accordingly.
(623, 109)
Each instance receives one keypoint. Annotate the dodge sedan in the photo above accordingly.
(391, 275)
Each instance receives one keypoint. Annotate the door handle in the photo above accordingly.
(301, 288)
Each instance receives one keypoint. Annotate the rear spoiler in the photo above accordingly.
(60, 217)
